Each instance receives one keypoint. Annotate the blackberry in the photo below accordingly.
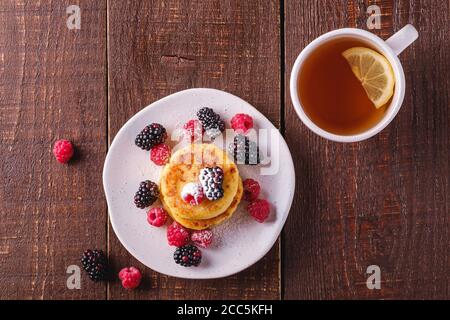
(211, 180)
(211, 122)
(207, 117)
(244, 151)
(95, 264)
(150, 136)
(187, 256)
(147, 194)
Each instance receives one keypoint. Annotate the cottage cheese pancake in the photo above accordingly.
(184, 167)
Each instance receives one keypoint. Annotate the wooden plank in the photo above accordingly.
(159, 47)
(384, 201)
(52, 86)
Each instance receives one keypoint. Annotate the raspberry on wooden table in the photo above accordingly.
(63, 150)
(131, 277)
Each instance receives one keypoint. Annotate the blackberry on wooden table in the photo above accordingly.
(95, 264)
(147, 194)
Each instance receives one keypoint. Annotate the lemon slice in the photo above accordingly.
(374, 72)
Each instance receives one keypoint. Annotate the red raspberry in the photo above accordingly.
(193, 131)
(241, 122)
(192, 193)
(63, 150)
(131, 277)
(160, 154)
(202, 238)
(259, 209)
(251, 189)
(177, 235)
(157, 217)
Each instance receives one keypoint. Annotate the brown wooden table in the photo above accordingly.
(385, 201)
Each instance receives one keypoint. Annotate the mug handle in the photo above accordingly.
(402, 39)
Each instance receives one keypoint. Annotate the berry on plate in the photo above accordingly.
(241, 123)
(211, 180)
(193, 131)
(63, 150)
(244, 151)
(147, 194)
(160, 154)
(259, 209)
(211, 122)
(251, 189)
(150, 136)
(177, 235)
(95, 264)
(202, 238)
(187, 256)
(192, 193)
(157, 217)
(131, 277)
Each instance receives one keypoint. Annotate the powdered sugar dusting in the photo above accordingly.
(202, 238)
(225, 233)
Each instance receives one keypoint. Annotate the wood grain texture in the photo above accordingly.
(159, 47)
(52, 86)
(384, 201)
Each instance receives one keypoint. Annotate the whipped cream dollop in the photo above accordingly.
(192, 193)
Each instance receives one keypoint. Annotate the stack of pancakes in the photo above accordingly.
(184, 167)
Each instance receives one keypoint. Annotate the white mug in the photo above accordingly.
(390, 48)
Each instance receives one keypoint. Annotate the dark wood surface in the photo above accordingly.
(52, 85)
(384, 201)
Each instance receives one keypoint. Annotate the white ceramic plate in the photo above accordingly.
(239, 242)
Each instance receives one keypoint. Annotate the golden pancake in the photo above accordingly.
(207, 223)
(184, 167)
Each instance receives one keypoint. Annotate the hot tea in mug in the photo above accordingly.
(332, 95)
(348, 84)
